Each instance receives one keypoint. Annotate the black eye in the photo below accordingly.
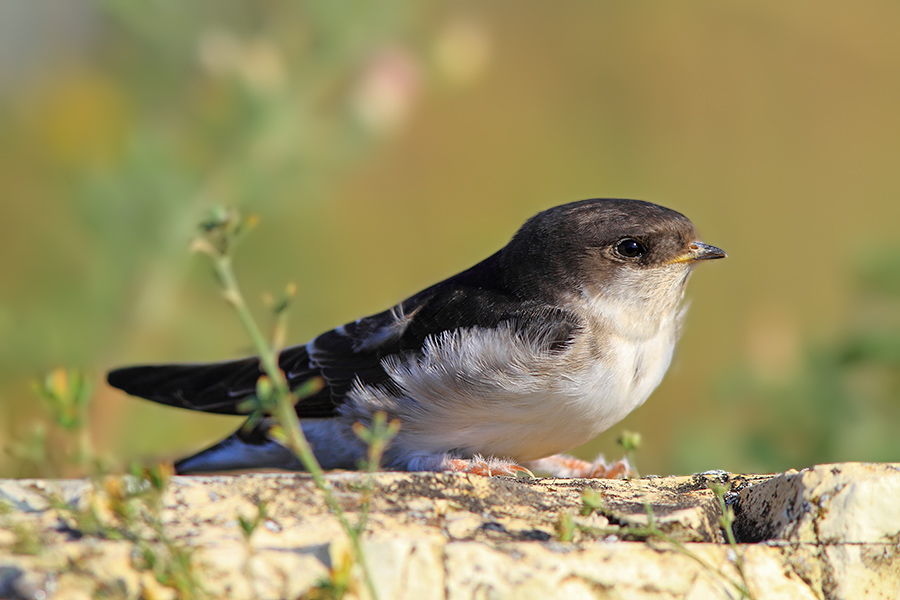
(630, 248)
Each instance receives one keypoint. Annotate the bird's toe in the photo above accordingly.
(560, 465)
(488, 467)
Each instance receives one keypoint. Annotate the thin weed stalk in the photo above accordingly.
(681, 548)
(592, 501)
(726, 521)
(221, 232)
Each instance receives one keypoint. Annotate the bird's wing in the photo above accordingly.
(338, 356)
(356, 351)
(208, 387)
(353, 351)
(219, 387)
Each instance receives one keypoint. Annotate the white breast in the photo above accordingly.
(623, 380)
(490, 391)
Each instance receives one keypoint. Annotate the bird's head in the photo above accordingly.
(635, 253)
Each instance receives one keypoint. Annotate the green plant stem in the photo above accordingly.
(85, 447)
(285, 411)
(655, 531)
(727, 522)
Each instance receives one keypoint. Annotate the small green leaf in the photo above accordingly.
(591, 500)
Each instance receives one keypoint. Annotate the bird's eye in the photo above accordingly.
(630, 248)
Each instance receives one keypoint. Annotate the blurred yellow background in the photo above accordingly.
(386, 146)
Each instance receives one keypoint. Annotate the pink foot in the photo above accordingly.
(560, 465)
(488, 467)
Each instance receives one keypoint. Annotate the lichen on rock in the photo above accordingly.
(830, 531)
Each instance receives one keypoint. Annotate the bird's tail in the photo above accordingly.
(208, 387)
(213, 387)
(244, 449)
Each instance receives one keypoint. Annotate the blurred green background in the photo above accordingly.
(386, 146)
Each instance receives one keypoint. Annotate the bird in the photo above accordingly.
(497, 370)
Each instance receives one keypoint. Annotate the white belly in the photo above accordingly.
(611, 391)
(488, 392)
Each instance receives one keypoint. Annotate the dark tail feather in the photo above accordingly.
(214, 387)
(208, 387)
(241, 450)
(220, 387)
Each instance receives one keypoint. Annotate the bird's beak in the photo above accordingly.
(699, 251)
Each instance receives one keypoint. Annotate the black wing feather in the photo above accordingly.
(474, 298)
(217, 387)
(214, 387)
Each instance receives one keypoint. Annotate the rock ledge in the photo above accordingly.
(830, 531)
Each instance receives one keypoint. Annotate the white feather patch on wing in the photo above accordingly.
(388, 332)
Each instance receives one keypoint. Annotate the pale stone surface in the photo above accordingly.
(848, 513)
(831, 531)
(850, 502)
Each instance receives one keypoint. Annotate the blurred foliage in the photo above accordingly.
(386, 146)
(175, 110)
(841, 402)
(172, 109)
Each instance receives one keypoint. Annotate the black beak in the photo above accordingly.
(698, 251)
(701, 251)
